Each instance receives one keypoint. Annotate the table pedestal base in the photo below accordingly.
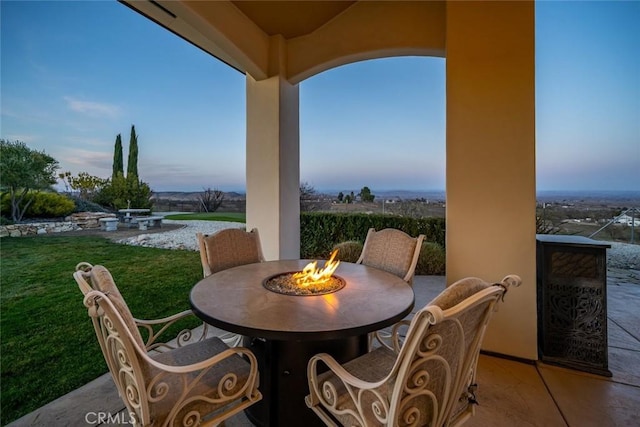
(283, 377)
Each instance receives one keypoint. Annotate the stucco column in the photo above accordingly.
(273, 165)
(491, 194)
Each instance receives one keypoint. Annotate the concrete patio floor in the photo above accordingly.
(510, 393)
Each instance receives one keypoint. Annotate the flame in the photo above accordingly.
(312, 275)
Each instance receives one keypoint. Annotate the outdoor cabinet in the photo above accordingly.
(572, 302)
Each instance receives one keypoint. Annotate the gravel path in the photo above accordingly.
(181, 238)
(621, 255)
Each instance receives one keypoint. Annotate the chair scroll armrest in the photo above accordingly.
(207, 363)
(329, 395)
(184, 337)
(337, 369)
(392, 340)
(510, 280)
(230, 386)
(398, 334)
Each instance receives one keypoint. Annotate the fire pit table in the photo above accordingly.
(284, 331)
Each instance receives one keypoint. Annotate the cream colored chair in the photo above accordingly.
(393, 251)
(174, 384)
(427, 380)
(228, 248)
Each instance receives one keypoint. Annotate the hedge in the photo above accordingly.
(320, 232)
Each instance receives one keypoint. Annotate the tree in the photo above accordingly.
(210, 199)
(87, 185)
(340, 196)
(122, 192)
(118, 166)
(365, 195)
(307, 196)
(23, 169)
(132, 162)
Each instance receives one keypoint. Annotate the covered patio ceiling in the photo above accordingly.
(195, 21)
(298, 39)
(289, 18)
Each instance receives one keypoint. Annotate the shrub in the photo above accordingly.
(83, 205)
(432, 260)
(48, 205)
(348, 251)
(43, 205)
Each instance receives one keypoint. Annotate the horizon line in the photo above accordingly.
(331, 190)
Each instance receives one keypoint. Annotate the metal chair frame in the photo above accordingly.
(427, 378)
(189, 381)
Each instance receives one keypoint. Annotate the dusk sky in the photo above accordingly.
(76, 74)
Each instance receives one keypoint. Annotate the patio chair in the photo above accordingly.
(198, 383)
(429, 379)
(395, 252)
(228, 248)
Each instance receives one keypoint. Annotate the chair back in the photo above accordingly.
(119, 339)
(393, 251)
(435, 368)
(228, 248)
(97, 277)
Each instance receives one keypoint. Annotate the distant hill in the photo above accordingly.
(630, 198)
(410, 194)
(604, 198)
(393, 194)
(193, 195)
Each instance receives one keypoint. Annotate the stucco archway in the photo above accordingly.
(490, 87)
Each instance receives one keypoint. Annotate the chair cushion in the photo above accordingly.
(371, 367)
(215, 383)
(102, 280)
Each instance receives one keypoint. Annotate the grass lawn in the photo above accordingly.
(48, 345)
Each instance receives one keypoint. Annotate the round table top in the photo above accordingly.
(236, 300)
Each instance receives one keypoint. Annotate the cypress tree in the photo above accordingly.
(132, 164)
(118, 166)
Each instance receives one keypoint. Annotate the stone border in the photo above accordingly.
(19, 230)
(75, 222)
